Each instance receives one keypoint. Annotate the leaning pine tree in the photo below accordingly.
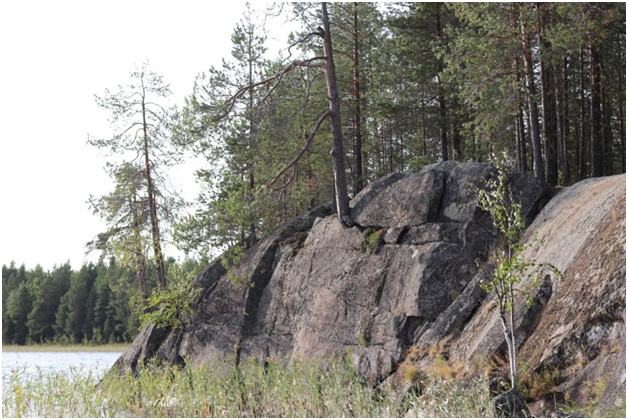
(141, 139)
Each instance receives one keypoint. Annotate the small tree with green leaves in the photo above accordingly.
(512, 271)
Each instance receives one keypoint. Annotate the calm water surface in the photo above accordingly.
(60, 362)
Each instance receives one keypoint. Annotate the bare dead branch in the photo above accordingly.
(300, 41)
(289, 181)
(271, 13)
(309, 63)
(302, 151)
(344, 28)
(346, 54)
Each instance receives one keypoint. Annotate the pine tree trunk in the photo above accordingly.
(523, 158)
(537, 157)
(442, 111)
(596, 114)
(549, 108)
(609, 154)
(521, 133)
(154, 223)
(565, 131)
(380, 147)
(607, 130)
(457, 140)
(337, 152)
(528, 133)
(582, 149)
(357, 115)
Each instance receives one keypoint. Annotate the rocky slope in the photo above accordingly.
(575, 328)
(405, 280)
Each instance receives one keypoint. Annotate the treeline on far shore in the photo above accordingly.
(98, 303)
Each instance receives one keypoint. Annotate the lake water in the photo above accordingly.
(60, 362)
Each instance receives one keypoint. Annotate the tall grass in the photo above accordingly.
(303, 389)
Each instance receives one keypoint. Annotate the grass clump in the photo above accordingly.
(412, 375)
(536, 386)
(592, 395)
(445, 398)
(303, 389)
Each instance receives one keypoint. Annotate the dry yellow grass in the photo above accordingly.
(411, 373)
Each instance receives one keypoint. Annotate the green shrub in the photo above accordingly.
(230, 259)
(172, 306)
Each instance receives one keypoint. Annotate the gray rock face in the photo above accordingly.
(327, 296)
(143, 348)
(410, 202)
(314, 289)
(225, 311)
(451, 321)
(615, 393)
(576, 323)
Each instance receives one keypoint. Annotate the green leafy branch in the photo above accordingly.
(173, 306)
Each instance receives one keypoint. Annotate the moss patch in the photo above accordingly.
(372, 239)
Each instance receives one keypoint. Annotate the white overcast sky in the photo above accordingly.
(55, 55)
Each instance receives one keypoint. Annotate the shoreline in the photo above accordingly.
(65, 348)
